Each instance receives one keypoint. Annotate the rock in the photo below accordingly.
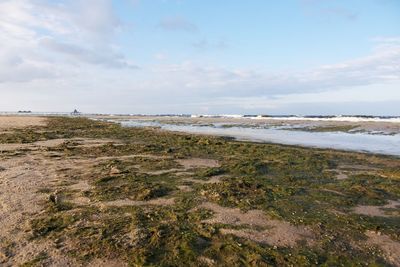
(55, 198)
(114, 171)
(4, 255)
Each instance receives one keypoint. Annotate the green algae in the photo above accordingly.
(286, 182)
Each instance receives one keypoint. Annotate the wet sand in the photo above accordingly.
(361, 126)
(339, 137)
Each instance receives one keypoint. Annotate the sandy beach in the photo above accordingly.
(86, 193)
(13, 122)
(184, 133)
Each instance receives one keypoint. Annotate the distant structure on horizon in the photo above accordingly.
(75, 113)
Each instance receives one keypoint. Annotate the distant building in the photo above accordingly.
(75, 113)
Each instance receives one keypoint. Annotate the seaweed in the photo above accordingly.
(288, 183)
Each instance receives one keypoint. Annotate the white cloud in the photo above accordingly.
(204, 45)
(177, 23)
(99, 56)
(160, 56)
(69, 49)
(381, 66)
(42, 38)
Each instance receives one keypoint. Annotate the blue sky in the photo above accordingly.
(187, 56)
(270, 34)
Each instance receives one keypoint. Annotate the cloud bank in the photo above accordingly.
(71, 48)
(40, 40)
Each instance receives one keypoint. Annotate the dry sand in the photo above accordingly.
(19, 200)
(127, 202)
(11, 122)
(21, 179)
(277, 233)
(198, 163)
(390, 248)
(379, 211)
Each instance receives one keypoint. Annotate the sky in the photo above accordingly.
(303, 57)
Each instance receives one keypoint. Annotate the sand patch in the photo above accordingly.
(33, 249)
(188, 164)
(77, 142)
(235, 216)
(13, 147)
(278, 233)
(21, 181)
(341, 176)
(50, 143)
(333, 191)
(82, 185)
(379, 211)
(184, 173)
(20, 201)
(161, 171)
(357, 167)
(198, 163)
(390, 248)
(81, 201)
(106, 263)
(206, 261)
(279, 236)
(89, 142)
(343, 171)
(185, 188)
(337, 212)
(55, 143)
(128, 202)
(12, 122)
(21, 198)
(150, 156)
(212, 180)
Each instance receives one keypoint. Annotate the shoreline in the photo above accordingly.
(331, 138)
(23, 120)
(367, 126)
(261, 142)
(79, 192)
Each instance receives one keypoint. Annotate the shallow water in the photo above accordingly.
(381, 144)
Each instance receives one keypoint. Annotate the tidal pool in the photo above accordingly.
(363, 142)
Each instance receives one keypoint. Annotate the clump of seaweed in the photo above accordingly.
(288, 183)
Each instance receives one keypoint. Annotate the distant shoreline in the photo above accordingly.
(385, 127)
(284, 117)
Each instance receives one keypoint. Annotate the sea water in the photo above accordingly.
(362, 142)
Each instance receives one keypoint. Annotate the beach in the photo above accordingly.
(369, 135)
(315, 124)
(86, 192)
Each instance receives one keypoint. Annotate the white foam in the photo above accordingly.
(302, 118)
(338, 118)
